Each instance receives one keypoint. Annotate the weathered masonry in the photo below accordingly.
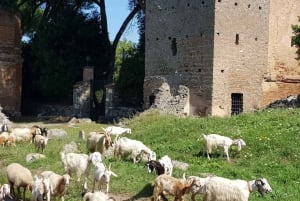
(10, 63)
(219, 57)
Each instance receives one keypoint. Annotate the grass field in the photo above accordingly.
(272, 151)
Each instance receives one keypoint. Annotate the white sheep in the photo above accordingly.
(116, 130)
(135, 149)
(79, 163)
(222, 189)
(19, 176)
(58, 183)
(212, 141)
(41, 189)
(168, 185)
(98, 142)
(102, 176)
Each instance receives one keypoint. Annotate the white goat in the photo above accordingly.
(96, 196)
(79, 163)
(116, 130)
(25, 134)
(58, 183)
(135, 149)
(222, 189)
(168, 185)
(41, 189)
(166, 162)
(40, 142)
(102, 176)
(5, 192)
(212, 141)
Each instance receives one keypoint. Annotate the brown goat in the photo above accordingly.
(168, 185)
(98, 142)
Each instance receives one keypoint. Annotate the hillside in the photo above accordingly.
(272, 138)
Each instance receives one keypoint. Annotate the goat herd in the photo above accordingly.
(49, 185)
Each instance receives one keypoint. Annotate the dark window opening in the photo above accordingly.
(237, 39)
(235, 3)
(259, 7)
(174, 46)
(236, 103)
(219, 0)
(249, 5)
(151, 100)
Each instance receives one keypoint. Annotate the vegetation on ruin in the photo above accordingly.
(272, 151)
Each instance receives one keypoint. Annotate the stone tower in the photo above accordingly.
(10, 63)
(219, 57)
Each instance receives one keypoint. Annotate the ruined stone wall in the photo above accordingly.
(179, 51)
(10, 63)
(283, 74)
(240, 53)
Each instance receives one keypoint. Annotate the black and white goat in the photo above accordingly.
(162, 166)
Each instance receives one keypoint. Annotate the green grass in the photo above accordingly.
(272, 151)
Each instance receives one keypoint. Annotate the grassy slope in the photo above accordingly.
(272, 151)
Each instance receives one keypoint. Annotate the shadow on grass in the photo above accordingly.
(145, 192)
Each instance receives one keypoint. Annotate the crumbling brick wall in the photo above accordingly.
(10, 63)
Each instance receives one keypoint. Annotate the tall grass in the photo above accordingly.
(272, 151)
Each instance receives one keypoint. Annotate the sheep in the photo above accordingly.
(135, 149)
(5, 192)
(58, 183)
(102, 176)
(98, 142)
(19, 176)
(79, 163)
(40, 142)
(162, 166)
(116, 130)
(212, 141)
(215, 188)
(95, 196)
(41, 189)
(168, 185)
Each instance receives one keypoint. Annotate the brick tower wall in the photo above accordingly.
(240, 53)
(10, 63)
(179, 52)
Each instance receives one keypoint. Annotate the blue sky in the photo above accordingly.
(117, 11)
